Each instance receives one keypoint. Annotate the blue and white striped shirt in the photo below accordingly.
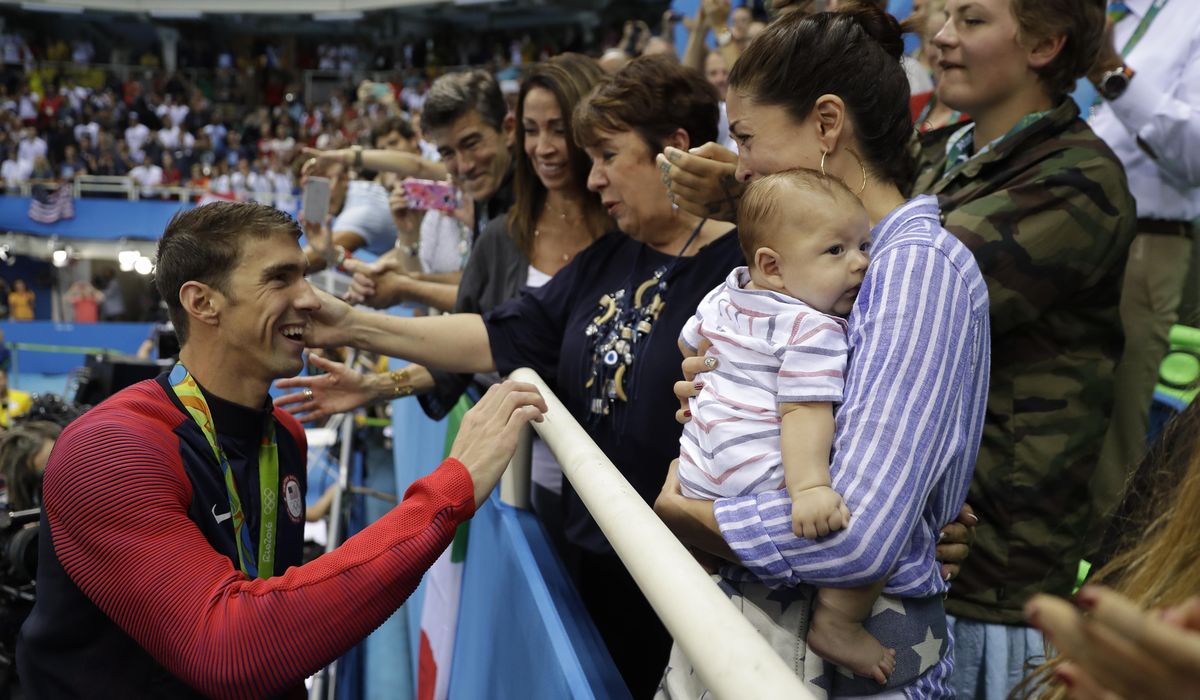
(908, 431)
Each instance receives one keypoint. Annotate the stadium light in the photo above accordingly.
(143, 266)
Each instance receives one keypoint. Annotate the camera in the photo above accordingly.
(18, 568)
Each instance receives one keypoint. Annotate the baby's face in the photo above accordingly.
(824, 265)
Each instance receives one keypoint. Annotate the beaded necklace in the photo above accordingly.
(621, 329)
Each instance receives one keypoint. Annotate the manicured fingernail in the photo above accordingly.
(687, 414)
(945, 574)
(710, 362)
(699, 386)
(974, 518)
(1086, 598)
(1064, 679)
(941, 536)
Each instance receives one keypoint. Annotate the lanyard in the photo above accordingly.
(1143, 26)
(192, 398)
(958, 148)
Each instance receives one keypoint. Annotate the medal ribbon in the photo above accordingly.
(192, 398)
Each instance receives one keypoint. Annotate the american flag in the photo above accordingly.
(59, 204)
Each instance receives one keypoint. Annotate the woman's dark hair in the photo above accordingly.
(569, 77)
(18, 447)
(652, 96)
(854, 55)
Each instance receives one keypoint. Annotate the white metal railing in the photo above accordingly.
(127, 187)
(730, 656)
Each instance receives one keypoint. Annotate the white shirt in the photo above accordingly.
(15, 172)
(148, 176)
(135, 138)
(1162, 108)
(28, 150)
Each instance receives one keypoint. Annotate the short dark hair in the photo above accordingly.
(397, 124)
(758, 207)
(652, 96)
(453, 95)
(1080, 21)
(854, 55)
(204, 244)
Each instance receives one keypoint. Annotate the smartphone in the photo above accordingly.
(316, 199)
(430, 194)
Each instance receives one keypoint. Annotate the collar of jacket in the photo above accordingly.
(1054, 121)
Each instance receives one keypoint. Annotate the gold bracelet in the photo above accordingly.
(401, 383)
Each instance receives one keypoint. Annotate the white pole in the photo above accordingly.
(732, 659)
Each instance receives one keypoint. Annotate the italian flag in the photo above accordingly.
(443, 589)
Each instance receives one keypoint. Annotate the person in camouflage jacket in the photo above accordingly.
(1045, 208)
(1049, 217)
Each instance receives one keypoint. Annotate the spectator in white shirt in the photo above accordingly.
(1148, 112)
(87, 125)
(147, 176)
(15, 172)
(174, 138)
(31, 146)
(136, 135)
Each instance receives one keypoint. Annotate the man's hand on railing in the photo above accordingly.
(338, 390)
(487, 437)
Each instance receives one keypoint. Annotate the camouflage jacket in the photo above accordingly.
(1048, 214)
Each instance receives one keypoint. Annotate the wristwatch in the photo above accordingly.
(1114, 82)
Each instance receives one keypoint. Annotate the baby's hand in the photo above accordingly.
(818, 511)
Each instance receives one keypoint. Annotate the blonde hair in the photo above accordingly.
(1160, 566)
(758, 209)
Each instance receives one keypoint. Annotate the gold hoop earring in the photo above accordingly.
(823, 154)
(863, 166)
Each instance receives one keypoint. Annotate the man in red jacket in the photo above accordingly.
(173, 516)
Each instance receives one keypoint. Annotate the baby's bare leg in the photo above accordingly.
(837, 632)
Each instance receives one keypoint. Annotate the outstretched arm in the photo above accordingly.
(453, 342)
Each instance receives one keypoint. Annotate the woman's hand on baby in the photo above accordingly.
(689, 387)
(954, 542)
(818, 511)
(703, 181)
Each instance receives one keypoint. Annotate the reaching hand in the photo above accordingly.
(703, 181)
(487, 437)
(328, 326)
(378, 285)
(339, 390)
(1117, 651)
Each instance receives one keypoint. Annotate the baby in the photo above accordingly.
(764, 417)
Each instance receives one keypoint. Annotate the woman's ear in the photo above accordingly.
(1046, 50)
(678, 139)
(829, 119)
(766, 262)
(201, 302)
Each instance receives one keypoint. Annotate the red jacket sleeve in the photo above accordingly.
(116, 500)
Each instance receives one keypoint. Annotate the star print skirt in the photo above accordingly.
(914, 627)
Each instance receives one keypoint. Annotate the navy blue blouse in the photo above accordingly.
(546, 330)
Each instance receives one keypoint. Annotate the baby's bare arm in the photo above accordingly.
(806, 438)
